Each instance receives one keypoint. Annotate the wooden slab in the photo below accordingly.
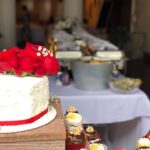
(47, 137)
(34, 145)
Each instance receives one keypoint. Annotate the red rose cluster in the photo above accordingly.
(32, 60)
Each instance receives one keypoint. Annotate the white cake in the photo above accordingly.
(22, 98)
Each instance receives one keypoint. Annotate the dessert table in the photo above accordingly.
(126, 117)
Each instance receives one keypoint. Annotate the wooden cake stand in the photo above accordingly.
(51, 136)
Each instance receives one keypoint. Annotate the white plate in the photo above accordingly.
(86, 58)
(42, 121)
(118, 90)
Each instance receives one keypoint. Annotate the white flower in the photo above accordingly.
(44, 49)
(39, 48)
(38, 54)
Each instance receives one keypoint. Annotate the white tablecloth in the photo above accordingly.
(126, 116)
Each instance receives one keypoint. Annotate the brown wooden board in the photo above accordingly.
(48, 137)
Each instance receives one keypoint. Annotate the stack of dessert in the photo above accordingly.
(79, 137)
(94, 139)
(76, 139)
(144, 142)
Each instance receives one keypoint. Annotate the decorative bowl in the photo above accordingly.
(125, 85)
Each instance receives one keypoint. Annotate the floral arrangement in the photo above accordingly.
(33, 60)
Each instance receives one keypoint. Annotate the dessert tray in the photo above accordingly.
(42, 121)
(125, 85)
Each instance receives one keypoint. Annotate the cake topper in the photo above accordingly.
(33, 60)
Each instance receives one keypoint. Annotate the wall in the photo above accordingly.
(142, 23)
(28, 3)
(73, 9)
(7, 24)
(43, 9)
(40, 10)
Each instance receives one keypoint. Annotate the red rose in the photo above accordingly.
(26, 65)
(9, 59)
(32, 51)
(5, 67)
(34, 59)
(29, 60)
(40, 72)
(51, 65)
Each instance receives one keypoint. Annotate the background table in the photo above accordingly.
(126, 116)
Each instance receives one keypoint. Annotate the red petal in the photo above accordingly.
(26, 65)
(5, 66)
(51, 65)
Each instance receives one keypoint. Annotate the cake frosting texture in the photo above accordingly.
(22, 97)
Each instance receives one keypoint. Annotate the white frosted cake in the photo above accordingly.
(22, 99)
(24, 87)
